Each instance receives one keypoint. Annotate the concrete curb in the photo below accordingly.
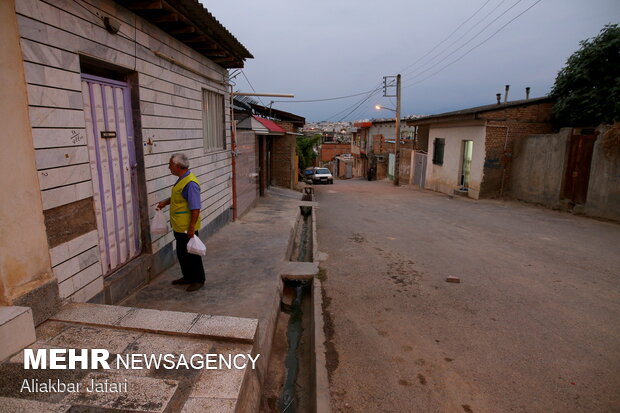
(321, 380)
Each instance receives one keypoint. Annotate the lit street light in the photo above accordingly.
(379, 107)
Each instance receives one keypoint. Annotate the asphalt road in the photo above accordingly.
(533, 326)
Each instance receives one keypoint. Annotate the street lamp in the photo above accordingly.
(379, 107)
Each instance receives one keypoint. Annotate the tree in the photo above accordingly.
(306, 150)
(587, 89)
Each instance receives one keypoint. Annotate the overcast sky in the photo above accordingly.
(318, 49)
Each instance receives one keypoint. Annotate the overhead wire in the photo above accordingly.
(470, 40)
(357, 103)
(252, 87)
(475, 47)
(354, 108)
(323, 100)
(446, 38)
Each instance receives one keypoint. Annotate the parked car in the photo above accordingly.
(322, 175)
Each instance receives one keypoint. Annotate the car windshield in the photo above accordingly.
(322, 171)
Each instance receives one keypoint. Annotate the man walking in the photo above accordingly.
(185, 220)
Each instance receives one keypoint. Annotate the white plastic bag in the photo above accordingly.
(195, 246)
(159, 226)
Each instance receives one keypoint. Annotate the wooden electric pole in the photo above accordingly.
(397, 142)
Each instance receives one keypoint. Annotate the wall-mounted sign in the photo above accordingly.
(108, 134)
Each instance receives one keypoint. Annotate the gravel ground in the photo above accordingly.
(533, 325)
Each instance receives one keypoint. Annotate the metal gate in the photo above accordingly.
(109, 131)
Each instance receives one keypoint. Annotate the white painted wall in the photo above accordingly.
(445, 178)
(53, 32)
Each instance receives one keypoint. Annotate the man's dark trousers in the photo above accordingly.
(191, 264)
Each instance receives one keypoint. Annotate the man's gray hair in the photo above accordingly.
(180, 160)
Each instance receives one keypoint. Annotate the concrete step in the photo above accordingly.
(16, 330)
(173, 322)
(14, 405)
(124, 331)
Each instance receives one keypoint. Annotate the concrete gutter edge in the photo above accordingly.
(321, 378)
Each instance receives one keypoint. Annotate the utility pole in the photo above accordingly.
(388, 82)
(397, 143)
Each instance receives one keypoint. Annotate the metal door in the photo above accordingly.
(391, 164)
(109, 131)
(419, 175)
(577, 175)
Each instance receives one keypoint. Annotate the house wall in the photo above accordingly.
(388, 129)
(53, 35)
(445, 178)
(538, 166)
(246, 170)
(331, 150)
(25, 267)
(504, 128)
(604, 187)
(283, 166)
(404, 165)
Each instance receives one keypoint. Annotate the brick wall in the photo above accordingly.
(503, 129)
(283, 166)
(330, 150)
(381, 146)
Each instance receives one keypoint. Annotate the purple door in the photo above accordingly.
(109, 131)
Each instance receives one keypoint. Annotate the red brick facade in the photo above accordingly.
(284, 161)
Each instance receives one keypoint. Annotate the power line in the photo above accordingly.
(470, 40)
(252, 87)
(356, 104)
(445, 39)
(323, 100)
(475, 47)
(360, 104)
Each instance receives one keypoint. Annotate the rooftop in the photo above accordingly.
(192, 24)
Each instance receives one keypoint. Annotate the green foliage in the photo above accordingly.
(306, 150)
(587, 89)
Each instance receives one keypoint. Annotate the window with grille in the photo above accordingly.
(213, 120)
(438, 145)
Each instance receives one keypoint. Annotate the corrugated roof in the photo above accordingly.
(191, 23)
(271, 125)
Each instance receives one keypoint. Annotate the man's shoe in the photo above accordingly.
(194, 287)
(181, 281)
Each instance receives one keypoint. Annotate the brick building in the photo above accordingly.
(330, 150)
(470, 150)
(269, 155)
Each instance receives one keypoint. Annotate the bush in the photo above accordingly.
(587, 89)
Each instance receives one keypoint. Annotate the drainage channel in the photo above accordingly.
(296, 390)
(297, 393)
(291, 375)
